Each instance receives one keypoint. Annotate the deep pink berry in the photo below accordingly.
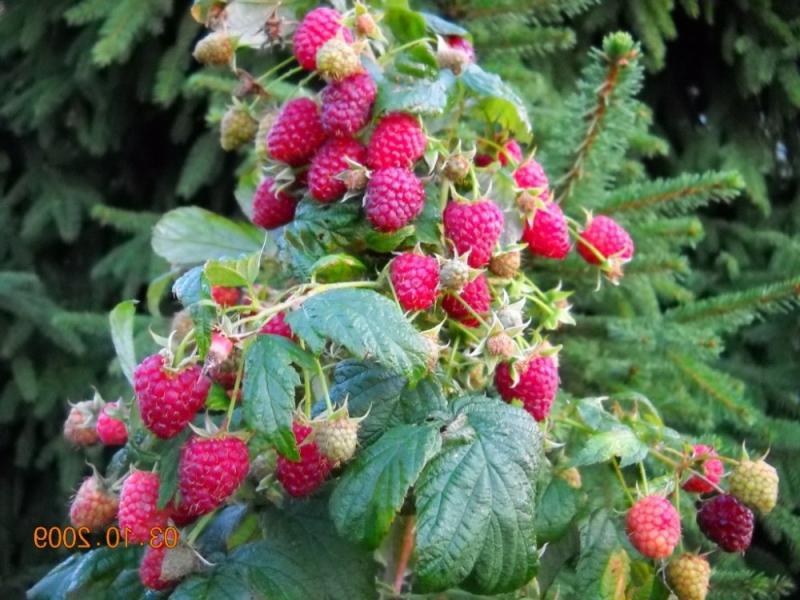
(654, 526)
(511, 153)
(476, 295)
(328, 163)
(138, 511)
(398, 141)
(226, 296)
(711, 468)
(546, 233)
(475, 227)
(317, 27)
(272, 207)
(296, 133)
(168, 400)
(727, 522)
(111, 430)
(463, 44)
(304, 477)
(415, 279)
(394, 198)
(531, 175)
(347, 104)
(277, 325)
(608, 238)
(536, 388)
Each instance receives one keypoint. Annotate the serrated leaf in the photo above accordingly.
(99, 566)
(235, 272)
(422, 97)
(192, 235)
(475, 503)
(373, 488)
(497, 102)
(384, 242)
(594, 414)
(169, 456)
(405, 24)
(268, 392)
(621, 442)
(556, 509)
(367, 324)
(194, 292)
(121, 321)
(337, 267)
(442, 26)
(600, 566)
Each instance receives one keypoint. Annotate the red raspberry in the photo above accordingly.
(110, 430)
(547, 233)
(168, 401)
(210, 471)
(654, 526)
(463, 44)
(181, 516)
(272, 208)
(347, 104)
(398, 141)
(476, 294)
(474, 227)
(727, 522)
(226, 296)
(536, 388)
(138, 510)
(712, 469)
(150, 569)
(329, 162)
(511, 153)
(304, 477)
(394, 198)
(530, 174)
(94, 506)
(416, 280)
(162, 568)
(317, 27)
(277, 325)
(608, 238)
(79, 428)
(296, 133)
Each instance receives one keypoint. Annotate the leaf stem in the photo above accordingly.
(324, 382)
(234, 394)
(198, 528)
(406, 548)
(624, 485)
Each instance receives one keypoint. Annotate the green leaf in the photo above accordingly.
(555, 510)
(443, 27)
(422, 97)
(225, 582)
(337, 267)
(155, 292)
(269, 389)
(192, 235)
(373, 488)
(368, 324)
(497, 102)
(384, 242)
(169, 456)
(194, 292)
(121, 321)
(620, 442)
(475, 502)
(603, 565)
(233, 272)
(405, 24)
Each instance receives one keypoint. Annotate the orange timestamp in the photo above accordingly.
(81, 538)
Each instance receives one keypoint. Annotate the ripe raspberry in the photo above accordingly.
(328, 163)
(161, 567)
(337, 439)
(302, 478)
(416, 280)
(505, 265)
(689, 576)
(296, 133)
(474, 227)
(398, 141)
(547, 234)
(537, 385)
(727, 522)
(347, 104)
(272, 208)
(711, 467)
(654, 526)
(338, 59)
(226, 296)
(317, 27)
(393, 199)
(214, 49)
(93, 506)
(210, 471)
(531, 175)
(167, 400)
(277, 325)
(111, 430)
(608, 238)
(511, 153)
(756, 484)
(476, 294)
(138, 510)
(79, 428)
(237, 127)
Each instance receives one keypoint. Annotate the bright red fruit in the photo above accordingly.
(415, 279)
(511, 153)
(608, 238)
(347, 104)
(476, 294)
(398, 141)
(226, 296)
(463, 44)
(138, 512)
(271, 207)
(711, 468)
(473, 227)
(110, 430)
(547, 233)
(277, 325)
(531, 175)
(317, 27)
(727, 522)
(654, 526)
(329, 162)
(393, 199)
(296, 133)
(168, 400)
(536, 388)
(302, 478)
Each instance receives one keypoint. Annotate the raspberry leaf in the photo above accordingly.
(233, 272)
(498, 101)
(268, 389)
(603, 565)
(556, 508)
(423, 97)
(337, 267)
(367, 324)
(475, 501)
(373, 489)
(169, 456)
(442, 26)
(121, 321)
(192, 289)
(621, 442)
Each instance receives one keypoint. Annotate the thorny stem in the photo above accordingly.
(286, 75)
(679, 466)
(406, 548)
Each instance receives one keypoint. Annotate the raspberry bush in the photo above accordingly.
(360, 396)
